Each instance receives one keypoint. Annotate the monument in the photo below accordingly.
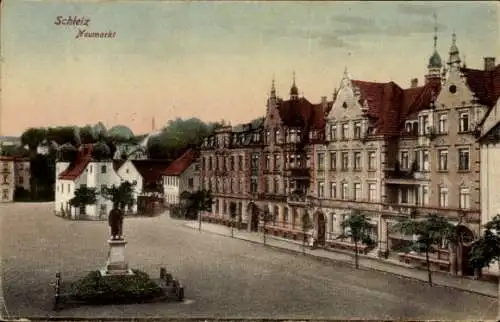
(116, 263)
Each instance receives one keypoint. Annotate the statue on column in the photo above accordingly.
(115, 221)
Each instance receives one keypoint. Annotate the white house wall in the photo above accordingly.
(128, 172)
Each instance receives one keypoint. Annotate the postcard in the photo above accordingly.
(257, 160)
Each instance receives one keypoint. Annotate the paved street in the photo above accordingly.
(223, 277)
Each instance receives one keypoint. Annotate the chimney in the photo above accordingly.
(489, 63)
(414, 82)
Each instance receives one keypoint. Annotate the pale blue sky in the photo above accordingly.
(215, 60)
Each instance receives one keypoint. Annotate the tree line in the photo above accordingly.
(170, 143)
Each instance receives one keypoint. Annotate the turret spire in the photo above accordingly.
(294, 91)
(454, 58)
(435, 31)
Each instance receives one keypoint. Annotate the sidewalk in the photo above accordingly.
(388, 266)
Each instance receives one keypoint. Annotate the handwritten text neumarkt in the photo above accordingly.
(82, 25)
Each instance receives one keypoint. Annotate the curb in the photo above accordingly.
(351, 264)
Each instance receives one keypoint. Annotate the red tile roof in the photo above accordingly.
(484, 83)
(182, 163)
(389, 105)
(301, 113)
(150, 170)
(76, 168)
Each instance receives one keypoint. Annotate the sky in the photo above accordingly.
(215, 60)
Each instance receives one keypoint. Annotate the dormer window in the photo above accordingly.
(452, 89)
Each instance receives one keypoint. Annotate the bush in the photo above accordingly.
(177, 211)
(97, 289)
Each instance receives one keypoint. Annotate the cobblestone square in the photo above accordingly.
(223, 277)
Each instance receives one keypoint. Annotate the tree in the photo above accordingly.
(233, 214)
(83, 196)
(121, 196)
(306, 225)
(267, 216)
(430, 231)
(101, 151)
(87, 135)
(32, 138)
(486, 249)
(200, 200)
(359, 231)
(68, 153)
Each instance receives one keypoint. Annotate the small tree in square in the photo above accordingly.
(306, 225)
(83, 196)
(430, 231)
(121, 195)
(359, 231)
(233, 213)
(267, 216)
(486, 249)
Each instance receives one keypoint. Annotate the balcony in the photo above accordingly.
(272, 197)
(399, 176)
(297, 199)
(298, 173)
(403, 209)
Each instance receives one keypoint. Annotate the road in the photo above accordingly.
(224, 277)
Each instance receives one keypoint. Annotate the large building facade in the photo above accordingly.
(385, 150)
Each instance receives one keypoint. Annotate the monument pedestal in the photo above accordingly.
(116, 264)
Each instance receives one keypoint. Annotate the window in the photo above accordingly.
(267, 187)
(231, 163)
(425, 195)
(268, 162)
(404, 160)
(372, 160)
(357, 130)
(372, 190)
(404, 195)
(333, 190)
(253, 185)
(357, 161)
(416, 160)
(345, 161)
(333, 132)
(321, 161)
(333, 160)
(345, 191)
(276, 186)
(103, 169)
(321, 189)
(452, 89)
(5, 176)
(191, 183)
(443, 197)
(464, 198)
(443, 160)
(277, 162)
(464, 122)
(463, 159)
(240, 162)
(357, 191)
(425, 160)
(277, 136)
(345, 131)
(255, 161)
(268, 137)
(443, 123)
(285, 215)
(425, 124)
(5, 194)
